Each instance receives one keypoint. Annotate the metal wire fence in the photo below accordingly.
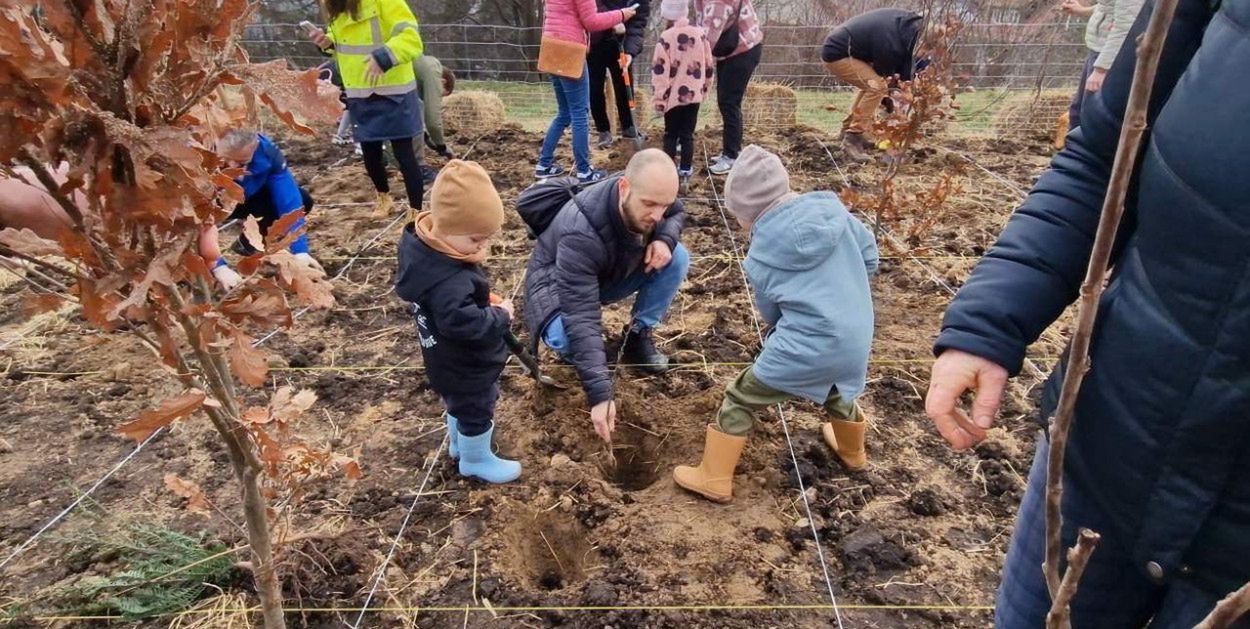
(1015, 76)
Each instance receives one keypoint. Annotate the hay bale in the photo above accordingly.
(769, 105)
(1031, 115)
(474, 112)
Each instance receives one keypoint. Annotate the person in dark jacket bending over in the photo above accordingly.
(461, 331)
(865, 52)
(1158, 460)
(617, 238)
(604, 55)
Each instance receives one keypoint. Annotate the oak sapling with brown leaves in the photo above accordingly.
(113, 108)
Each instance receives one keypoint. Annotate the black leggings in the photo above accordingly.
(732, 76)
(375, 165)
(679, 125)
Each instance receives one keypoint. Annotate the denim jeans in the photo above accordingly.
(656, 292)
(1078, 99)
(573, 99)
(1115, 592)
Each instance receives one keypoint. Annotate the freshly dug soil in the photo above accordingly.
(924, 525)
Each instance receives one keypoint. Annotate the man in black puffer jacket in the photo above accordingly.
(1159, 457)
(604, 55)
(617, 238)
(865, 52)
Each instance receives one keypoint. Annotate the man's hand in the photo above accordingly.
(507, 307)
(603, 415)
(658, 256)
(318, 37)
(373, 71)
(628, 13)
(954, 373)
(1094, 82)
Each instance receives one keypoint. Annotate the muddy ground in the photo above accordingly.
(924, 526)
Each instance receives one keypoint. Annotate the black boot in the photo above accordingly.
(244, 248)
(856, 147)
(640, 350)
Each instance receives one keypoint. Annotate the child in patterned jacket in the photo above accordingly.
(681, 75)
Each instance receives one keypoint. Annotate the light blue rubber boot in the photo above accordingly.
(476, 459)
(453, 436)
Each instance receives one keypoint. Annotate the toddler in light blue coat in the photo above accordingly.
(808, 265)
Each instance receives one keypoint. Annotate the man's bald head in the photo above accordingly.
(648, 189)
(650, 163)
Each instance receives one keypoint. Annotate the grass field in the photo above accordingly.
(532, 105)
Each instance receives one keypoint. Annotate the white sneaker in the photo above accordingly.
(722, 165)
(340, 140)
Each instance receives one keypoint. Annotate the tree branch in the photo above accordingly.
(1134, 127)
(1227, 611)
(56, 287)
(1078, 558)
(80, 22)
(53, 188)
(12, 253)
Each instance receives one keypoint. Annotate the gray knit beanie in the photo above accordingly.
(758, 183)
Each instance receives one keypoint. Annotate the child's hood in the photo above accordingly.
(799, 235)
(421, 268)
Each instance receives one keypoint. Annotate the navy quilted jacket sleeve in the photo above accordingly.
(1035, 269)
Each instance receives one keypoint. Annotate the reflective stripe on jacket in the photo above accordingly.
(385, 30)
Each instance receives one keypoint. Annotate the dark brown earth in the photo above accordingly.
(924, 526)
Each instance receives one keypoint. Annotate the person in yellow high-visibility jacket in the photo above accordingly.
(374, 43)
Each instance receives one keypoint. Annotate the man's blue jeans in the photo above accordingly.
(573, 100)
(656, 292)
(1115, 592)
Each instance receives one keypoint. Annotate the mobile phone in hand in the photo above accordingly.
(308, 26)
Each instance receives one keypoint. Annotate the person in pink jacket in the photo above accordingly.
(681, 75)
(571, 21)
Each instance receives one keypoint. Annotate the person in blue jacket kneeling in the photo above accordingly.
(270, 189)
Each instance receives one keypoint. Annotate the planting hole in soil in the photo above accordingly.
(637, 459)
(552, 551)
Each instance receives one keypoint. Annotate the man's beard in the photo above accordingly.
(631, 222)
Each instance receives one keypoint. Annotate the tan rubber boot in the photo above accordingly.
(714, 477)
(384, 207)
(847, 440)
